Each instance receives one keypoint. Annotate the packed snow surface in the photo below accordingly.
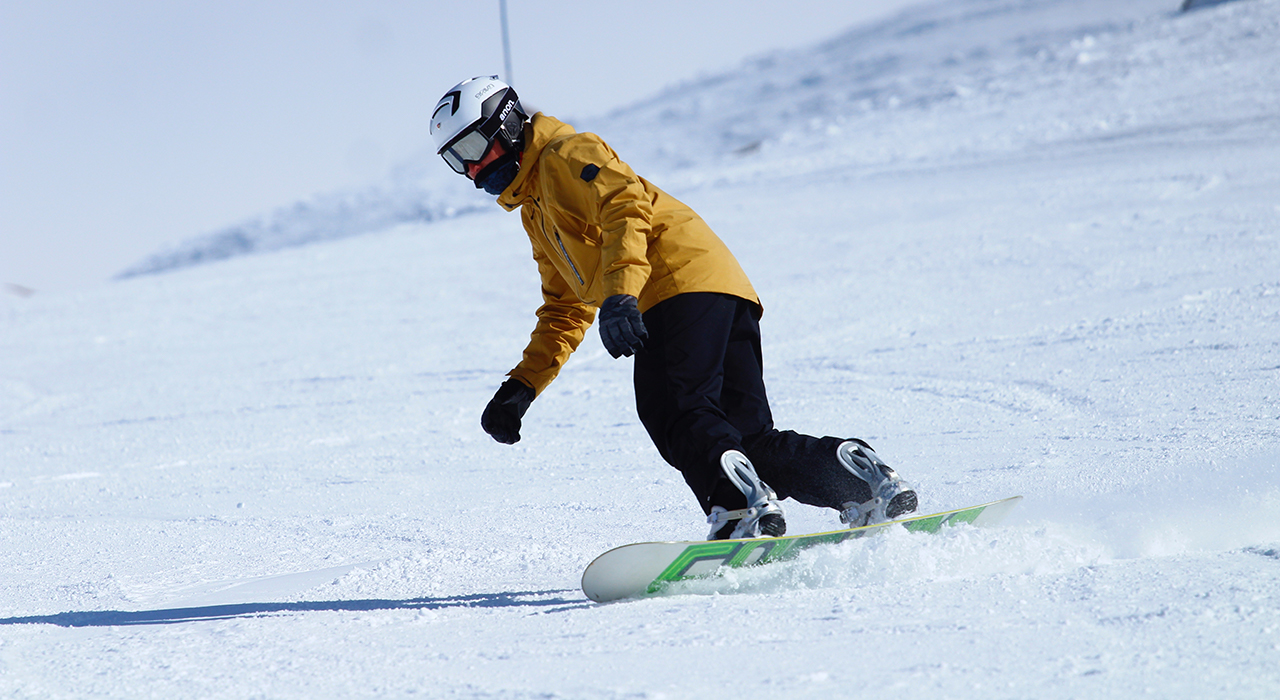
(1021, 246)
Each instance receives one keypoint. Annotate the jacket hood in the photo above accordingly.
(540, 131)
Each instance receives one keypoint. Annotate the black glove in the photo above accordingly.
(621, 327)
(501, 418)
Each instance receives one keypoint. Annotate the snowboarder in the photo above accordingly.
(670, 294)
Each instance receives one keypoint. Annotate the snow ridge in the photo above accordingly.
(974, 74)
(323, 218)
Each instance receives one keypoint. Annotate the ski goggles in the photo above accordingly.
(468, 148)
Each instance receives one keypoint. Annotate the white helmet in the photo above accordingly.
(471, 115)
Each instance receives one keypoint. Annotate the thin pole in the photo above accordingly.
(506, 41)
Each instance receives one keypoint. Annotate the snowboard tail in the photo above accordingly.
(644, 567)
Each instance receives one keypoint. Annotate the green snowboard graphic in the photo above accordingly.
(642, 568)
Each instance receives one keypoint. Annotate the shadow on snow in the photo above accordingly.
(552, 601)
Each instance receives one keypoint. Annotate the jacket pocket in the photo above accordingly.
(565, 252)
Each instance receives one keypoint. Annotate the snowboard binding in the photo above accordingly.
(761, 518)
(890, 495)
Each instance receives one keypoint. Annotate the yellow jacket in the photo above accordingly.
(597, 230)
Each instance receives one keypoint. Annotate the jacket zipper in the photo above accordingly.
(565, 253)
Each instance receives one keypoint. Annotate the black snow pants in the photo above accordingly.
(700, 391)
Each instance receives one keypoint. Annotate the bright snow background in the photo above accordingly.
(1023, 246)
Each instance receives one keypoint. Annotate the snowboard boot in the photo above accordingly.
(890, 495)
(761, 518)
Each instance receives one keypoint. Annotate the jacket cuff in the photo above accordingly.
(533, 380)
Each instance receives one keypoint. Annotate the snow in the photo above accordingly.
(1022, 246)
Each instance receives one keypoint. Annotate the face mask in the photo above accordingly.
(498, 175)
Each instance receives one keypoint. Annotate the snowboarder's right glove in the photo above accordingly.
(501, 418)
(621, 327)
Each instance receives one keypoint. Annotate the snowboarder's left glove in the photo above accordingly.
(621, 327)
(501, 418)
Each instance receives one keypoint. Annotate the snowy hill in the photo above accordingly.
(1022, 246)
(950, 81)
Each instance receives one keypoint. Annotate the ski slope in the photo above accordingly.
(1021, 246)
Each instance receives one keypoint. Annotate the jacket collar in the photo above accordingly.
(540, 131)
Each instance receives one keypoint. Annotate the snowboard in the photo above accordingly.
(643, 568)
